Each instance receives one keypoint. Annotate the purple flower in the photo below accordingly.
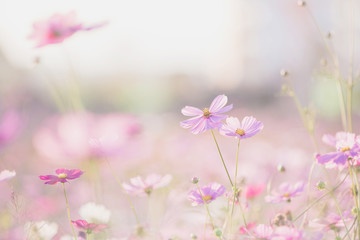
(62, 176)
(346, 147)
(209, 193)
(247, 128)
(285, 192)
(89, 227)
(208, 118)
(138, 186)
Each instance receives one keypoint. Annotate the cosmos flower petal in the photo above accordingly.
(225, 109)
(191, 111)
(219, 102)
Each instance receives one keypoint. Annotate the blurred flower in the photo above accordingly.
(81, 136)
(93, 212)
(6, 175)
(247, 128)
(89, 227)
(208, 118)
(332, 222)
(252, 191)
(62, 176)
(41, 230)
(207, 194)
(57, 28)
(247, 228)
(285, 192)
(263, 232)
(287, 233)
(9, 127)
(138, 186)
(346, 147)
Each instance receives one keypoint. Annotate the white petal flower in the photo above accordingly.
(41, 230)
(95, 213)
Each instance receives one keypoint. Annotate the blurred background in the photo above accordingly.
(151, 59)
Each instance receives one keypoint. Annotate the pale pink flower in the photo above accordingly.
(57, 28)
(346, 145)
(287, 233)
(143, 187)
(332, 221)
(252, 191)
(208, 118)
(248, 127)
(6, 175)
(89, 227)
(285, 192)
(263, 232)
(62, 176)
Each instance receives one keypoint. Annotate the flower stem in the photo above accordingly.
(126, 194)
(68, 212)
(222, 159)
(355, 193)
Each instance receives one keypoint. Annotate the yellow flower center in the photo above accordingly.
(345, 149)
(207, 198)
(240, 132)
(62, 175)
(286, 195)
(206, 113)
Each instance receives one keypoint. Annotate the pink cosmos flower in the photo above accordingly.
(209, 193)
(332, 221)
(9, 126)
(6, 175)
(263, 232)
(89, 227)
(57, 28)
(208, 118)
(247, 228)
(346, 145)
(62, 176)
(285, 192)
(247, 128)
(287, 233)
(138, 186)
(252, 191)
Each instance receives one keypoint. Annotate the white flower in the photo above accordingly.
(6, 175)
(95, 213)
(41, 230)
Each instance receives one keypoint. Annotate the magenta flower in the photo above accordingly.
(138, 186)
(346, 146)
(57, 28)
(208, 118)
(247, 128)
(252, 191)
(285, 192)
(62, 176)
(209, 193)
(89, 227)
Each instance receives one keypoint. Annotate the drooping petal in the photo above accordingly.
(191, 122)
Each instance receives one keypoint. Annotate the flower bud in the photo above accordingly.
(281, 168)
(195, 180)
(218, 232)
(193, 236)
(284, 73)
(321, 185)
(301, 3)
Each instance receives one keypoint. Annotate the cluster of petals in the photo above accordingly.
(143, 187)
(62, 176)
(57, 28)
(285, 192)
(207, 193)
(208, 118)
(332, 221)
(265, 232)
(6, 175)
(89, 227)
(248, 127)
(347, 146)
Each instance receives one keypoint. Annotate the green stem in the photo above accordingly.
(126, 194)
(68, 212)
(321, 197)
(355, 193)
(222, 159)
